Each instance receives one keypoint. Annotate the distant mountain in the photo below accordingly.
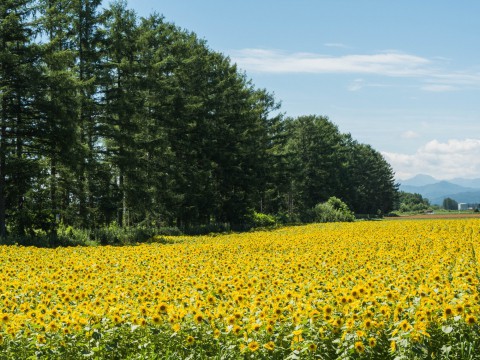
(422, 180)
(470, 197)
(419, 180)
(459, 189)
(437, 189)
(471, 183)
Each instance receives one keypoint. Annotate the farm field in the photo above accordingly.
(374, 290)
(452, 215)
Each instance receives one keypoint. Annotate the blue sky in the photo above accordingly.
(403, 76)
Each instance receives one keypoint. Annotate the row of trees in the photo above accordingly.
(414, 202)
(110, 118)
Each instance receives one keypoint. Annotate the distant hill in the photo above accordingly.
(459, 189)
(472, 183)
(419, 180)
(471, 197)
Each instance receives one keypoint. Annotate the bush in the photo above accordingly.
(206, 229)
(64, 236)
(116, 235)
(286, 218)
(334, 210)
(263, 220)
(260, 220)
(67, 235)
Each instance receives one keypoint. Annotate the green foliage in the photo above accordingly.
(117, 235)
(314, 154)
(67, 235)
(260, 220)
(451, 341)
(449, 204)
(333, 210)
(367, 181)
(205, 229)
(408, 202)
(320, 162)
(117, 125)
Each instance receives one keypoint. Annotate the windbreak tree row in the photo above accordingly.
(110, 118)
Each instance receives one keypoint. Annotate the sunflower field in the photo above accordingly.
(364, 290)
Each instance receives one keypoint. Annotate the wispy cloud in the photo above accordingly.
(336, 45)
(431, 73)
(410, 134)
(442, 160)
(443, 81)
(438, 88)
(356, 85)
(275, 61)
(359, 84)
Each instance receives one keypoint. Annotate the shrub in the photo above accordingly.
(263, 220)
(258, 220)
(206, 229)
(117, 235)
(334, 210)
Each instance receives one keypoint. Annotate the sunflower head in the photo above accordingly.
(253, 346)
(359, 348)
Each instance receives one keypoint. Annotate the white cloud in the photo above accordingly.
(438, 88)
(336, 45)
(442, 160)
(359, 84)
(410, 134)
(274, 61)
(391, 63)
(455, 78)
(356, 85)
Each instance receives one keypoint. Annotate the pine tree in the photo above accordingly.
(122, 106)
(314, 146)
(86, 27)
(18, 77)
(59, 109)
(161, 96)
(371, 182)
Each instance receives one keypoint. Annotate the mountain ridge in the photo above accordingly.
(459, 189)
